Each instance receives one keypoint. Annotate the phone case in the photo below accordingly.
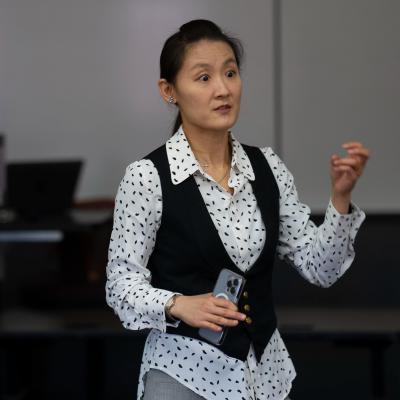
(229, 285)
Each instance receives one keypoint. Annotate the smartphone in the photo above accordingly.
(229, 285)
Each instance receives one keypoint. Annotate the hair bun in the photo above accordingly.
(196, 24)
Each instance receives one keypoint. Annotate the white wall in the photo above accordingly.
(341, 64)
(79, 78)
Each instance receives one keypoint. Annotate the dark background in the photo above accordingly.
(88, 354)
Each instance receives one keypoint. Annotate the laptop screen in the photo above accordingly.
(41, 188)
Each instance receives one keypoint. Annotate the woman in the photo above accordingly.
(202, 202)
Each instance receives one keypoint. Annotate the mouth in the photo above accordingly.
(223, 107)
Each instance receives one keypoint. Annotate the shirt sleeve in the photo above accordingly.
(321, 254)
(137, 217)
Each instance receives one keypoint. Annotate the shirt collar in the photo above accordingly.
(183, 163)
(241, 159)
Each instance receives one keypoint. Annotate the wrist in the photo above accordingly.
(170, 307)
(174, 310)
(342, 202)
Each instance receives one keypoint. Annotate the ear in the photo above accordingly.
(166, 90)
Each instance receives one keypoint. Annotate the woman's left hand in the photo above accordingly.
(345, 171)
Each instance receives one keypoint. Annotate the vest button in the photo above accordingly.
(246, 307)
(245, 294)
(248, 320)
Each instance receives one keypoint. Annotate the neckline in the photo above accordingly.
(212, 246)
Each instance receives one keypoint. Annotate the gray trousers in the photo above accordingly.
(161, 386)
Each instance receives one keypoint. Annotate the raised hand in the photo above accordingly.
(345, 171)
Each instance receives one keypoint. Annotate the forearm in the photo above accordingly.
(322, 254)
(134, 300)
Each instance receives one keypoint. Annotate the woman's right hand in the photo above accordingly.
(206, 311)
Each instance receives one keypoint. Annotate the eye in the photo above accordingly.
(232, 73)
(204, 76)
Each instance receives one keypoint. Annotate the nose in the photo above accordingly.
(221, 87)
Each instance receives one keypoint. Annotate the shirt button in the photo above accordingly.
(248, 320)
(245, 294)
(246, 307)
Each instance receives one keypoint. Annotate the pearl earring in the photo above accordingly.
(171, 99)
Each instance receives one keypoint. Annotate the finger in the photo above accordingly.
(354, 174)
(221, 302)
(210, 325)
(347, 161)
(227, 313)
(334, 157)
(352, 144)
(363, 152)
(219, 308)
(357, 161)
(221, 321)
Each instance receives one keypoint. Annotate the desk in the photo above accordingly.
(76, 227)
(339, 321)
(75, 221)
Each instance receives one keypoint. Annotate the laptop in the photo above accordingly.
(41, 189)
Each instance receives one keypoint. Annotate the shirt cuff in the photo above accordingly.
(344, 222)
(344, 226)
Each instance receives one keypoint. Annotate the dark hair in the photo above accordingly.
(174, 49)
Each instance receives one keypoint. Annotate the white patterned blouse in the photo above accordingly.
(320, 254)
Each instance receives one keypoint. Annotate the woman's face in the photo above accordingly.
(209, 78)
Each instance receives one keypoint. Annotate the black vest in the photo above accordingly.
(188, 253)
